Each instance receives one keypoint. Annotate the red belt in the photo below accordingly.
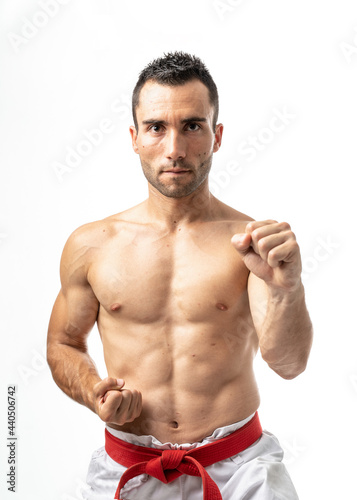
(168, 465)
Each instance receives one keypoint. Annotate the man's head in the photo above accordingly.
(175, 130)
(174, 69)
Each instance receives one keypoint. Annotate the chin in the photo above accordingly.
(177, 193)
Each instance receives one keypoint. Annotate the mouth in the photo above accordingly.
(176, 171)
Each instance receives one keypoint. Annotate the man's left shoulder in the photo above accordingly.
(234, 218)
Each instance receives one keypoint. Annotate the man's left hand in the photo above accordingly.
(270, 251)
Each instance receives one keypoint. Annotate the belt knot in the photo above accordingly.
(170, 460)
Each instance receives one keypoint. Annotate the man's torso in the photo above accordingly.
(175, 322)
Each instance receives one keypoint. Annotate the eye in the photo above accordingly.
(192, 127)
(156, 128)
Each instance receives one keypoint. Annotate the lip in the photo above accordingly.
(176, 171)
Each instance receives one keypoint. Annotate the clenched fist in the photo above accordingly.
(116, 405)
(270, 251)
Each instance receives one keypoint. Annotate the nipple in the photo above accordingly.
(221, 307)
(115, 307)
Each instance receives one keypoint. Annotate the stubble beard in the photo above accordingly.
(178, 187)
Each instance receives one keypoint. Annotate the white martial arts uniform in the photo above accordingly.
(255, 473)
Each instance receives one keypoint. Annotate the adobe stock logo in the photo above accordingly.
(323, 251)
(250, 148)
(91, 139)
(349, 50)
(37, 365)
(223, 7)
(31, 27)
(74, 155)
(277, 124)
(292, 450)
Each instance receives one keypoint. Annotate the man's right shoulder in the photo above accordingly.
(95, 235)
(88, 235)
(82, 246)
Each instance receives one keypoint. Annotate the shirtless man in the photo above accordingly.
(184, 290)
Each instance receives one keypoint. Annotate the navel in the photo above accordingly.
(115, 307)
(221, 307)
(174, 424)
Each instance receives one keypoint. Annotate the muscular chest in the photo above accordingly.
(185, 276)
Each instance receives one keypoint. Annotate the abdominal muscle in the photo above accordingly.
(193, 378)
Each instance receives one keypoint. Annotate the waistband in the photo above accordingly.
(168, 464)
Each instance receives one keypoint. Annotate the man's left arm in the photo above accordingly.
(276, 295)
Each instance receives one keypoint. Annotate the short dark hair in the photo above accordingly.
(176, 68)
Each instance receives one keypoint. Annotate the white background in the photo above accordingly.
(64, 72)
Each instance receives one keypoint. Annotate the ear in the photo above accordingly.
(218, 137)
(134, 138)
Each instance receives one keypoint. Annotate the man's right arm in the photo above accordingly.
(73, 316)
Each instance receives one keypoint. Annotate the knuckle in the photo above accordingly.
(126, 395)
(255, 234)
(285, 226)
(294, 245)
(122, 418)
(262, 244)
(104, 384)
(272, 255)
(105, 416)
(118, 397)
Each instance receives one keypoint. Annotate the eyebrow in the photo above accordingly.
(194, 119)
(184, 120)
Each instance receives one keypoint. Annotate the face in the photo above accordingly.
(175, 138)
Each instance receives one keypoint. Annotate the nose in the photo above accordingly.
(175, 146)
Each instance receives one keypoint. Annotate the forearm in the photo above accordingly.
(286, 334)
(74, 372)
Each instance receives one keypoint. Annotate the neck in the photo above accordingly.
(196, 206)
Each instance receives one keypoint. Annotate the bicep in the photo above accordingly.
(73, 316)
(258, 301)
(76, 307)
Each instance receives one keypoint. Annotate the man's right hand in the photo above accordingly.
(116, 405)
